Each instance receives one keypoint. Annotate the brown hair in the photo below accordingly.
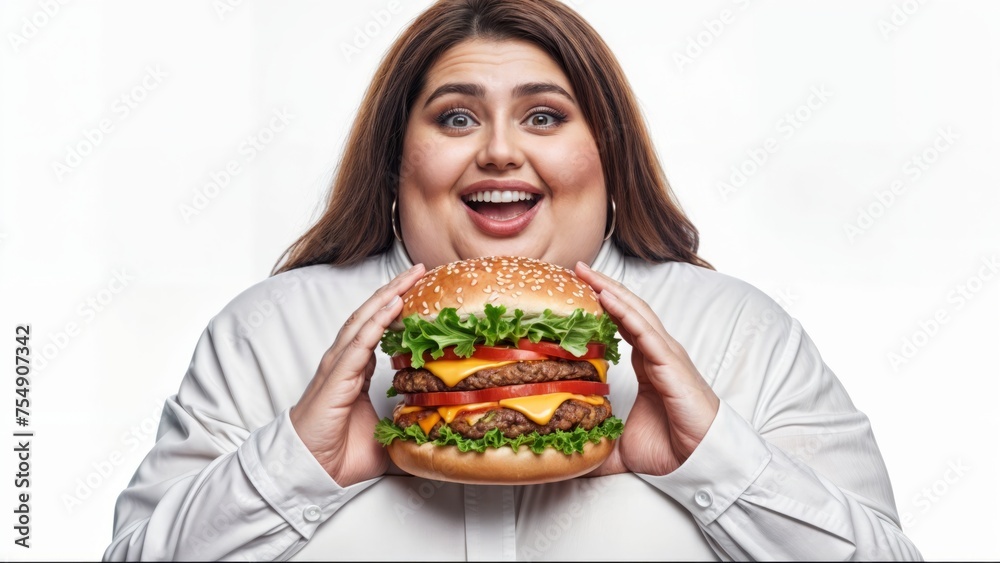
(357, 222)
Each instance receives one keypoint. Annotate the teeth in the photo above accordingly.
(497, 196)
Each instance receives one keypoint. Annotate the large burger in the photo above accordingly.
(502, 366)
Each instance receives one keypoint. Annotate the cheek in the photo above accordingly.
(430, 165)
(575, 168)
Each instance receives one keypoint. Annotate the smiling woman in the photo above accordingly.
(518, 131)
(506, 127)
(471, 83)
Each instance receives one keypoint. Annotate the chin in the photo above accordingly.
(530, 246)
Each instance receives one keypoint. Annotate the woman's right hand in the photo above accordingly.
(334, 417)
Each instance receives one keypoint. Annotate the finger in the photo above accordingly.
(596, 279)
(358, 352)
(600, 282)
(643, 336)
(637, 357)
(369, 372)
(622, 330)
(398, 286)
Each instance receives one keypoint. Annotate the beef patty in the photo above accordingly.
(411, 380)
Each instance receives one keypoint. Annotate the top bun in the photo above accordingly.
(517, 283)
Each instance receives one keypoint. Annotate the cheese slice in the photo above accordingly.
(449, 413)
(452, 372)
(602, 369)
(540, 408)
(428, 422)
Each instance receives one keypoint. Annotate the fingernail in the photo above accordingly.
(393, 301)
(414, 268)
(583, 265)
(407, 272)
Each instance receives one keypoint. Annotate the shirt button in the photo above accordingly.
(703, 497)
(311, 513)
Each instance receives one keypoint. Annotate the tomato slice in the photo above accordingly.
(491, 353)
(444, 398)
(501, 354)
(595, 351)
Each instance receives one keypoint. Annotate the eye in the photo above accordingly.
(545, 118)
(456, 119)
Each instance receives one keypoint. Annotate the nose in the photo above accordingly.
(500, 150)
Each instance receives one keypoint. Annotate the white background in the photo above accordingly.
(213, 78)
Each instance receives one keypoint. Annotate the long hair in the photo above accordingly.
(357, 222)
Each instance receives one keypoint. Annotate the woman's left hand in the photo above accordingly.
(675, 405)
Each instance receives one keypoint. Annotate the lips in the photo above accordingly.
(501, 208)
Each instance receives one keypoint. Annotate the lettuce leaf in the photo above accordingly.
(573, 333)
(566, 442)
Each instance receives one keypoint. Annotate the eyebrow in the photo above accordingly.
(478, 91)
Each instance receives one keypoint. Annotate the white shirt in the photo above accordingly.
(788, 470)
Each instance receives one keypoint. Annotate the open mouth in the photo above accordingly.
(501, 205)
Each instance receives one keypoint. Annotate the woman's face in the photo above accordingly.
(498, 160)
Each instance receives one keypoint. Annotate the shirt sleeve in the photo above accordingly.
(798, 476)
(211, 488)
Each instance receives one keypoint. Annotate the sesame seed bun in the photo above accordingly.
(517, 283)
(532, 287)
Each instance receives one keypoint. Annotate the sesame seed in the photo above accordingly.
(570, 301)
(549, 292)
(437, 305)
(473, 282)
(460, 300)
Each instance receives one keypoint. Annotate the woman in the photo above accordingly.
(739, 443)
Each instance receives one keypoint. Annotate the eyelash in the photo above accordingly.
(442, 118)
(557, 116)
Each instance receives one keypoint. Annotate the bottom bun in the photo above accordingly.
(496, 466)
